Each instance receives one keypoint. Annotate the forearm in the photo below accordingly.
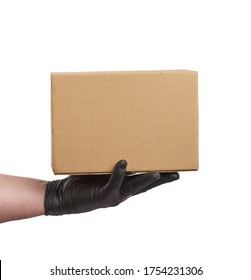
(21, 197)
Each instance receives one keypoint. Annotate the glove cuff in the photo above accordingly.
(54, 198)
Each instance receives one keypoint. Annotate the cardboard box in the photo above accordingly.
(149, 118)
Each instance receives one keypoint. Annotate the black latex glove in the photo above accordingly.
(82, 193)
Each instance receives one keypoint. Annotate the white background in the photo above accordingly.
(201, 220)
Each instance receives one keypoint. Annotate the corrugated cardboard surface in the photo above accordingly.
(149, 118)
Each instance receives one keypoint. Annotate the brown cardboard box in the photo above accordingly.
(149, 118)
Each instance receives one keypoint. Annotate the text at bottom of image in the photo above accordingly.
(146, 271)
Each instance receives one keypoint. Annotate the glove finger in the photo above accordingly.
(138, 182)
(117, 176)
(169, 177)
(164, 178)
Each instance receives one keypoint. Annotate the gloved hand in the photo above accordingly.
(82, 193)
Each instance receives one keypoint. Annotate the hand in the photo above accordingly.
(82, 193)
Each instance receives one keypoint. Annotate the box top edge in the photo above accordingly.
(124, 72)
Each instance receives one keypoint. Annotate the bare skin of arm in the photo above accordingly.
(21, 197)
